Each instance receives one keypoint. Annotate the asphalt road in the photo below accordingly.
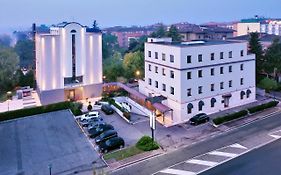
(155, 164)
(261, 161)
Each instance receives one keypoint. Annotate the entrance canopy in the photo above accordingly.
(156, 99)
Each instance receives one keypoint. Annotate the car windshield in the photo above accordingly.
(108, 142)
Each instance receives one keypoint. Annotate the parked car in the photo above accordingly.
(105, 136)
(199, 118)
(111, 144)
(94, 132)
(93, 114)
(95, 125)
(107, 109)
(91, 121)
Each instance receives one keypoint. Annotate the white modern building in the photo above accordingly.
(68, 63)
(195, 77)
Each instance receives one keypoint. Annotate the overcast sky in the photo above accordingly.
(22, 13)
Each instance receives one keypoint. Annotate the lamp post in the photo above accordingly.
(9, 95)
(137, 74)
(152, 124)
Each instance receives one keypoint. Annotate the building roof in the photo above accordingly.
(129, 29)
(204, 29)
(263, 37)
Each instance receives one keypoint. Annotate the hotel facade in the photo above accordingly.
(68, 63)
(198, 77)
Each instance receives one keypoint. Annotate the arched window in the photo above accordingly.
(189, 108)
(73, 31)
(200, 105)
(213, 101)
(242, 93)
(248, 92)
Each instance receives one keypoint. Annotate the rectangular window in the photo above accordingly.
(221, 70)
(149, 53)
(156, 69)
(200, 73)
(149, 67)
(221, 55)
(200, 90)
(241, 67)
(188, 59)
(172, 90)
(156, 84)
(73, 49)
(156, 55)
(212, 87)
(242, 53)
(163, 72)
(188, 75)
(172, 74)
(230, 83)
(149, 81)
(172, 58)
(241, 81)
(221, 85)
(212, 56)
(163, 56)
(163, 87)
(200, 58)
(189, 110)
(189, 92)
(230, 54)
(229, 68)
(212, 71)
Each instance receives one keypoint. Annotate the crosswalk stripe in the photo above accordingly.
(224, 154)
(236, 145)
(202, 162)
(177, 172)
(275, 136)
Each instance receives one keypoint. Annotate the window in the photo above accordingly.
(212, 56)
(229, 68)
(73, 51)
(172, 58)
(213, 101)
(221, 70)
(212, 87)
(163, 87)
(172, 90)
(230, 54)
(241, 81)
(200, 89)
(188, 75)
(163, 57)
(200, 105)
(188, 59)
(241, 66)
(156, 84)
(189, 92)
(149, 67)
(200, 57)
(242, 53)
(242, 93)
(221, 85)
(149, 81)
(149, 53)
(221, 55)
(163, 72)
(172, 74)
(200, 73)
(156, 55)
(189, 108)
(230, 83)
(156, 69)
(212, 71)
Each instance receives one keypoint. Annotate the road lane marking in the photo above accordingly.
(224, 154)
(202, 162)
(275, 136)
(177, 172)
(237, 145)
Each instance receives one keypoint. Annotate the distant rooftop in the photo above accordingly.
(263, 37)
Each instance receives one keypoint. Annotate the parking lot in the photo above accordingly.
(29, 145)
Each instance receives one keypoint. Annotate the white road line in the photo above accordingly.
(177, 172)
(237, 145)
(224, 154)
(275, 136)
(202, 162)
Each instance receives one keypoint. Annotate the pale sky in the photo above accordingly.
(22, 13)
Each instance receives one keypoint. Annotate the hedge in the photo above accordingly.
(125, 112)
(147, 144)
(41, 109)
(262, 107)
(230, 117)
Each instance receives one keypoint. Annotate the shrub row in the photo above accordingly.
(262, 107)
(147, 144)
(125, 112)
(41, 109)
(230, 117)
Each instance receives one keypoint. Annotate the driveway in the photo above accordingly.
(29, 145)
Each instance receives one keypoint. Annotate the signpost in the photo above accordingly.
(152, 124)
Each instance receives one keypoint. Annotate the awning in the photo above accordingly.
(162, 108)
(156, 99)
(227, 95)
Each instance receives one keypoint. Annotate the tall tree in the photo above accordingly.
(273, 57)
(133, 63)
(5, 40)
(113, 68)
(109, 45)
(24, 48)
(174, 33)
(159, 33)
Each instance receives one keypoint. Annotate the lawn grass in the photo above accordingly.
(122, 154)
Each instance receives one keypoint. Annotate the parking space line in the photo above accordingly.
(177, 172)
(224, 154)
(202, 162)
(237, 145)
(275, 136)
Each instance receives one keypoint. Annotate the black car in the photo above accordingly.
(105, 136)
(111, 144)
(87, 122)
(107, 109)
(95, 125)
(199, 118)
(94, 132)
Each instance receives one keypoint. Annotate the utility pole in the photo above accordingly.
(152, 124)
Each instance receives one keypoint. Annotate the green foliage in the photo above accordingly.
(126, 114)
(268, 84)
(273, 57)
(147, 144)
(263, 106)
(109, 45)
(25, 80)
(174, 34)
(5, 40)
(137, 44)
(132, 63)
(113, 68)
(159, 33)
(220, 120)
(24, 48)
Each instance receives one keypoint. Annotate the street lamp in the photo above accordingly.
(9, 95)
(137, 74)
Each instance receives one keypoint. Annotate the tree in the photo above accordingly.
(112, 67)
(137, 44)
(24, 48)
(109, 45)
(133, 63)
(159, 33)
(5, 40)
(268, 84)
(273, 57)
(25, 80)
(174, 33)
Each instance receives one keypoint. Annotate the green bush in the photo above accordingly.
(262, 107)
(268, 84)
(147, 144)
(230, 117)
(126, 114)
